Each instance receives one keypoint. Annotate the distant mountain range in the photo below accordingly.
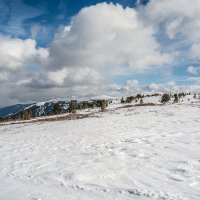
(10, 110)
(37, 109)
(43, 108)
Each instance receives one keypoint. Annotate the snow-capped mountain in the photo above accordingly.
(42, 108)
(37, 109)
(10, 110)
(46, 108)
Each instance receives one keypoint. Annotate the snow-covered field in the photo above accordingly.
(131, 153)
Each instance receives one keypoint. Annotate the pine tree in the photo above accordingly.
(72, 107)
(25, 114)
(122, 100)
(129, 99)
(103, 105)
(176, 99)
(165, 98)
(57, 109)
(139, 96)
(141, 101)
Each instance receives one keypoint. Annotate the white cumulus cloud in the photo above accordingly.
(17, 53)
(193, 70)
(194, 52)
(106, 37)
(182, 16)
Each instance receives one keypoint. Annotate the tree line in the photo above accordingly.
(74, 105)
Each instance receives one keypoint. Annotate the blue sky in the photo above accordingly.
(18, 16)
(89, 47)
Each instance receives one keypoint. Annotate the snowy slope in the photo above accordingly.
(133, 153)
(46, 108)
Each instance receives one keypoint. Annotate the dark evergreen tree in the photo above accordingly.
(122, 100)
(25, 114)
(165, 98)
(176, 99)
(139, 96)
(72, 107)
(129, 99)
(57, 109)
(103, 105)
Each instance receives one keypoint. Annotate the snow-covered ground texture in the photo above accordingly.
(140, 153)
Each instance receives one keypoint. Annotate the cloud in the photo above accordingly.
(38, 87)
(176, 16)
(164, 87)
(194, 79)
(167, 87)
(152, 87)
(18, 53)
(64, 78)
(177, 26)
(101, 42)
(11, 17)
(193, 70)
(3, 76)
(58, 76)
(194, 52)
(37, 31)
(106, 37)
(133, 87)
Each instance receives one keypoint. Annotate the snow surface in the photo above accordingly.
(40, 103)
(131, 153)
